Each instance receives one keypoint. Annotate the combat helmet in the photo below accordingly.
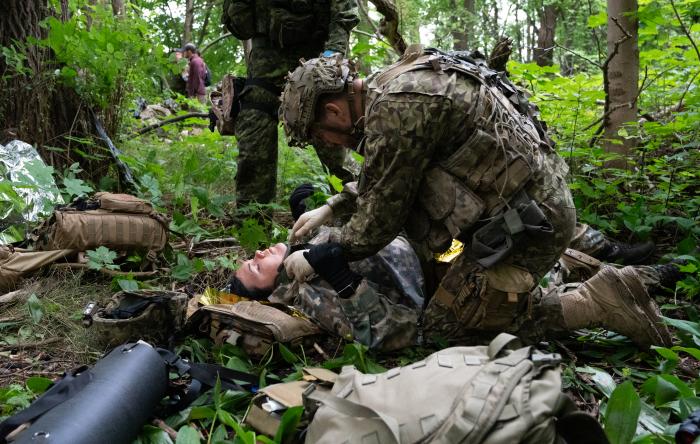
(315, 77)
(152, 315)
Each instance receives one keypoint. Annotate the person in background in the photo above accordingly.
(197, 73)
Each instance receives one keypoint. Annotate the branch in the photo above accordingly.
(687, 87)
(616, 45)
(596, 64)
(213, 42)
(685, 30)
(149, 128)
(389, 25)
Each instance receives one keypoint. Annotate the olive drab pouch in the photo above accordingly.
(269, 404)
(152, 315)
(252, 325)
(15, 263)
(120, 222)
(226, 103)
(491, 394)
(239, 18)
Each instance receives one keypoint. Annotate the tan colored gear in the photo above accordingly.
(311, 80)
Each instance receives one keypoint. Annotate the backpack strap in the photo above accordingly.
(500, 342)
(71, 383)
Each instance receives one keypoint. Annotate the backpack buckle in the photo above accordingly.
(545, 359)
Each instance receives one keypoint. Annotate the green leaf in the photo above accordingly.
(287, 354)
(187, 435)
(38, 384)
(76, 187)
(219, 434)
(622, 414)
(128, 284)
(336, 183)
(689, 327)
(36, 308)
(288, 424)
(599, 19)
(101, 257)
(152, 435)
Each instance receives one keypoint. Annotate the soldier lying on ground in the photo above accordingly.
(454, 151)
(378, 300)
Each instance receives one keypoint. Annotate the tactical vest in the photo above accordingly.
(283, 23)
(492, 171)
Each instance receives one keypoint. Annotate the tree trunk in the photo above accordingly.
(620, 76)
(205, 23)
(544, 52)
(189, 20)
(465, 25)
(119, 8)
(34, 106)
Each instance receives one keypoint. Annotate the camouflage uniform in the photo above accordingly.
(256, 125)
(383, 312)
(436, 115)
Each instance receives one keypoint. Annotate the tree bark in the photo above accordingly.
(34, 106)
(189, 20)
(544, 52)
(389, 25)
(119, 8)
(621, 76)
(205, 23)
(465, 23)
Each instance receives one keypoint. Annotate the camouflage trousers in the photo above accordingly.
(257, 130)
(472, 299)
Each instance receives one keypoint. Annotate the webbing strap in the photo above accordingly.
(71, 383)
(499, 343)
(351, 408)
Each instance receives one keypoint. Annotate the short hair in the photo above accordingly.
(323, 100)
(237, 287)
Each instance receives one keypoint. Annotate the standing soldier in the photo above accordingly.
(279, 33)
(454, 151)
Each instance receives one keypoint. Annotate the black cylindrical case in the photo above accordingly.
(125, 388)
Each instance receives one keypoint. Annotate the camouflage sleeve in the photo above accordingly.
(343, 18)
(401, 136)
(343, 203)
(368, 316)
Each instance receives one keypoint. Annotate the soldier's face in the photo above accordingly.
(260, 272)
(335, 125)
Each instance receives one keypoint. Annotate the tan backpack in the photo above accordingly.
(225, 103)
(117, 221)
(482, 394)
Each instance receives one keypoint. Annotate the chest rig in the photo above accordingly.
(488, 177)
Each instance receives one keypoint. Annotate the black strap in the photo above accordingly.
(71, 383)
(265, 84)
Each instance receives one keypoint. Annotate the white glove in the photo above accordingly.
(297, 266)
(310, 220)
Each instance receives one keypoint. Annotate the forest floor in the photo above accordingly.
(189, 176)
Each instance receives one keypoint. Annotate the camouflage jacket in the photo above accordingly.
(343, 18)
(382, 314)
(418, 120)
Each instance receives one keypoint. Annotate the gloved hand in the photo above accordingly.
(297, 267)
(328, 261)
(310, 220)
(296, 200)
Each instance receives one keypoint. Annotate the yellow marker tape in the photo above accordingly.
(455, 250)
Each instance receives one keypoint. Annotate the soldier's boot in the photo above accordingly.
(617, 299)
(627, 254)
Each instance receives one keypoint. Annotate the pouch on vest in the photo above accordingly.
(252, 325)
(117, 221)
(270, 403)
(226, 103)
(482, 394)
(239, 18)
